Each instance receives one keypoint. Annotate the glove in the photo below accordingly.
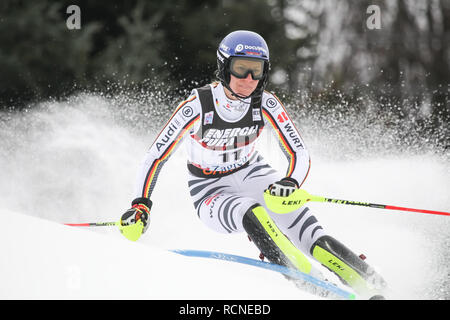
(284, 187)
(135, 221)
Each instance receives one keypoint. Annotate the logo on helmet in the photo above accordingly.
(239, 47)
(224, 47)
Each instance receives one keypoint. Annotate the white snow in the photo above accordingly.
(74, 162)
(45, 260)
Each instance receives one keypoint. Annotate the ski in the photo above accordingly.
(290, 273)
(92, 224)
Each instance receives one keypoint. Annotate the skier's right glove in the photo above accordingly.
(284, 187)
(135, 221)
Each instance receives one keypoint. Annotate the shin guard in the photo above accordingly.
(348, 266)
(271, 241)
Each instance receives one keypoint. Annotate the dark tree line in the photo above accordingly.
(321, 48)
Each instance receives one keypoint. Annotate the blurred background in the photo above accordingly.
(323, 53)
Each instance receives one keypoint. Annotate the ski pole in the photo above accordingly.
(92, 224)
(299, 197)
(131, 232)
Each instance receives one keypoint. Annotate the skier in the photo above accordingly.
(220, 124)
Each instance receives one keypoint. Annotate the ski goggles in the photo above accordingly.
(241, 67)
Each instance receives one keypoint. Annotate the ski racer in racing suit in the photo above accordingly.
(220, 124)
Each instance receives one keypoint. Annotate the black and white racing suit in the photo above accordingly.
(226, 174)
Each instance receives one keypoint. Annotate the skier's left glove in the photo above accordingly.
(284, 187)
(135, 221)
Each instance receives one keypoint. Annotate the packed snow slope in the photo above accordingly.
(44, 260)
(76, 161)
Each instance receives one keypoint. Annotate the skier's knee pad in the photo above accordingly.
(271, 241)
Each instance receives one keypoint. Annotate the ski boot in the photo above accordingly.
(351, 269)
